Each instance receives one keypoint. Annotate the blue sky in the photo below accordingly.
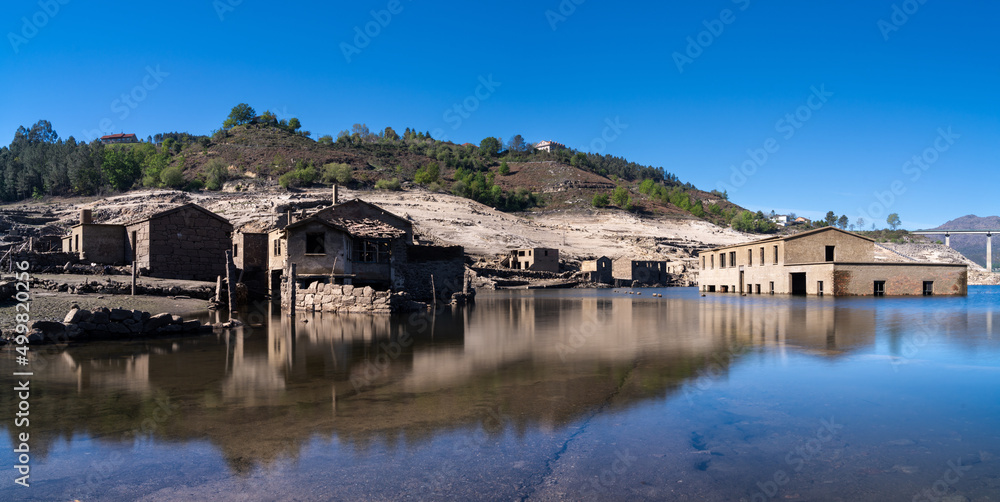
(820, 104)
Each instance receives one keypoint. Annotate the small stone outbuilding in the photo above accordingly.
(186, 242)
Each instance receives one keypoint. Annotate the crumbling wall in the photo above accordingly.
(445, 264)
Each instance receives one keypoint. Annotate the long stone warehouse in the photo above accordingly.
(822, 261)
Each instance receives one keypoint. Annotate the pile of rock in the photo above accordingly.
(112, 324)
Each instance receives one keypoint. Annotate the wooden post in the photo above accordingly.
(434, 291)
(230, 284)
(133, 277)
(218, 289)
(291, 292)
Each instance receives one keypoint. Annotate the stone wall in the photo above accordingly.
(343, 299)
(446, 264)
(901, 279)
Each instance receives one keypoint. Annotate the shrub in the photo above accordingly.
(302, 175)
(341, 174)
(173, 176)
(392, 184)
(620, 197)
(216, 173)
(600, 200)
(504, 168)
(427, 174)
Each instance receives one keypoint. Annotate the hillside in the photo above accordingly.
(972, 246)
(263, 151)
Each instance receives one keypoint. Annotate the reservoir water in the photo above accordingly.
(540, 395)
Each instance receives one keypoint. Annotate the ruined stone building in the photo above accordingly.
(598, 270)
(822, 261)
(641, 272)
(96, 242)
(360, 245)
(538, 259)
(186, 242)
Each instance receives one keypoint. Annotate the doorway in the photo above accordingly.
(798, 283)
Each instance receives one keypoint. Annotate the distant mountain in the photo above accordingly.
(972, 246)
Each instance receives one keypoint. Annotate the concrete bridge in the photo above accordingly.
(947, 240)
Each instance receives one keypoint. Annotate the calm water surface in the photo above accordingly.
(554, 395)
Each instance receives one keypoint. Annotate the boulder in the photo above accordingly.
(367, 292)
(156, 322)
(75, 316)
(176, 319)
(120, 314)
(348, 290)
(99, 317)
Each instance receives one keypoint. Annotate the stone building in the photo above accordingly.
(641, 272)
(360, 245)
(598, 270)
(97, 242)
(822, 261)
(186, 242)
(538, 259)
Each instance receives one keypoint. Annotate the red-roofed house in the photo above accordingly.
(119, 138)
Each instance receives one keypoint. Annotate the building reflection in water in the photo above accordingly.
(517, 360)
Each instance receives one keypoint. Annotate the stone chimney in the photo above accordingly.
(86, 216)
(334, 194)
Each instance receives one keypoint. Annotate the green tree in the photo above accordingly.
(120, 168)
(427, 174)
(294, 124)
(391, 184)
(842, 222)
(504, 168)
(620, 197)
(600, 200)
(831, 218)
(216, 174)
(325, 140)
(893, 220)
(490, 146)
(239, 115)
(390, 134)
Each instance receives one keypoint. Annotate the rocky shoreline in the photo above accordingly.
(81, 325)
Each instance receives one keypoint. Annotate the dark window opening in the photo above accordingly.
(732, 258)
(762, 256)
(750, 257)
(757, 289)
(775, 255)
(722, 260)
(772, 287)
(711, 289)
(819, 288)
(829, 253)
(928, 288)
(236, 250)
(372, 251)
(277, 247)
(879, 288)
(316, 243)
